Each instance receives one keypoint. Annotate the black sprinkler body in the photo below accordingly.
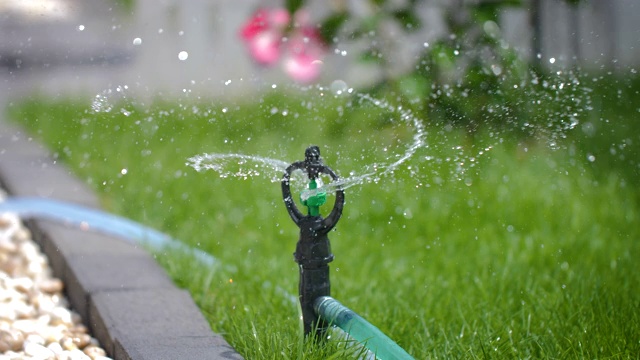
(313, 250)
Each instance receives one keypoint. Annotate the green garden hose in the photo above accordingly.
(333, 312)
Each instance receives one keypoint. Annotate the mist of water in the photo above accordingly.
(565, 89)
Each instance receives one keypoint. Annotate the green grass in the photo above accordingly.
(530, 253)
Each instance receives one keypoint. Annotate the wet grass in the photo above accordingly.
(532, 252)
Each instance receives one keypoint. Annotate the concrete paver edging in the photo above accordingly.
(126, 300)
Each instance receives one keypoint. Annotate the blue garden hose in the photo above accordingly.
(81, 216)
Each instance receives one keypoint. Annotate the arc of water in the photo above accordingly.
(385, 169)
(208, 162)
(216, 161)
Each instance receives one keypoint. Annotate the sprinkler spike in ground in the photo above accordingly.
(313, 251)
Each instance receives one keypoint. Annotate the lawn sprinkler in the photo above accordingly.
(313, 251)
(313, 255)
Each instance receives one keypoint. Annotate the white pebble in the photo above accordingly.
(55, 348)
(27, 326)
(11, 340)
(22, 284)
(78, 355)
(35, 338)
(50, 286)
(37, 350)
(94, 352)
(60, 315)
(7, 246)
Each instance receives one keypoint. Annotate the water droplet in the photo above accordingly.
(552, 60)
(183, 55)
(101, 102)
(491, 28)
(124, 171)
(338, 87)
(80, 27)
(591, 158)
(137, 41)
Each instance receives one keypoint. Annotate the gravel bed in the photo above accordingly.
(35, 319)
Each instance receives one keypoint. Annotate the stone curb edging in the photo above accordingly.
(125, 299)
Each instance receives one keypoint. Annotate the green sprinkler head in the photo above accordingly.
(313, 198)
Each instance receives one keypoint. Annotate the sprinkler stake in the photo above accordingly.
(313, 250)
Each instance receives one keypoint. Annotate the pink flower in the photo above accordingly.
(265, 47)
(305, 51)
(265, 34)
(302, 68)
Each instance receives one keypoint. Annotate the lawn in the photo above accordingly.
(494, 245)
